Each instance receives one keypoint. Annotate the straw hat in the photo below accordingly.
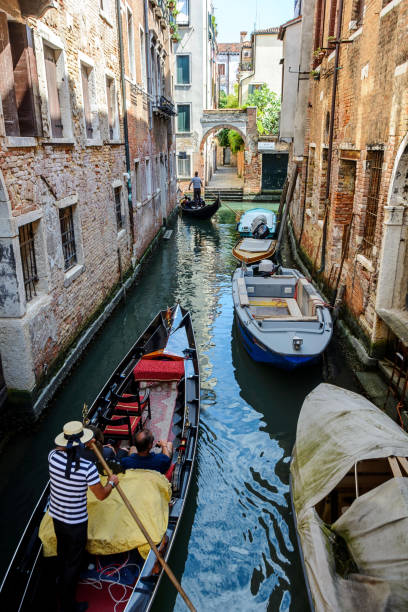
(74, 428)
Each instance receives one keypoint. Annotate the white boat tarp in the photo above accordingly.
(336, 429)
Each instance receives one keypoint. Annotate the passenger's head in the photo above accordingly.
(196, 173)
(144, 440)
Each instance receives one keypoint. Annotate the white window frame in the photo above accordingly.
(148, 178)
(185, 175)
(189, 69)
(93, 100)
(184, 23)
(73, 273)
(116, 184)
(131, 43)
(116, 126)
(44, 36)
(137, 173)
(143, 59)
(191, 117)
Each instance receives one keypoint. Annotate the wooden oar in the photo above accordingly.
(143, 530)
(237, 213)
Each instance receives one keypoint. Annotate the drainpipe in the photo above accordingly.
(331, 132)
(148, 64)
(125, 120)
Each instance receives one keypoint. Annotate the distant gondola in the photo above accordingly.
(200, 212)
(157, 384)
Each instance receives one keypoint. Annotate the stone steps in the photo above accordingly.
(231, 194)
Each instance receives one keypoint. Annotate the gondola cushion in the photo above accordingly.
(122, 429)
(159, 369)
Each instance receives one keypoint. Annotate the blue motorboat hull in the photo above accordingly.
(285, 362)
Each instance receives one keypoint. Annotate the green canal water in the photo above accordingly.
(236, 548)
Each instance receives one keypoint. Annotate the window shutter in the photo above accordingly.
(24, 71)
(87, 104)
(8, 96)
(53, 97)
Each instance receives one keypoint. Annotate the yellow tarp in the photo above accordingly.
(111, 528)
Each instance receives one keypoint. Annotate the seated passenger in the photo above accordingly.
(141, 455)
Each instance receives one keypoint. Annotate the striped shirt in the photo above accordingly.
(68, 495)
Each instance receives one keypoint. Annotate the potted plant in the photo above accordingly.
(315, 74)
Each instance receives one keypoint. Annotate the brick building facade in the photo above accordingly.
(71, 224)
(351, 197)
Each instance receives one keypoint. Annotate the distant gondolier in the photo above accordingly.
(197, 184)
(70, 477)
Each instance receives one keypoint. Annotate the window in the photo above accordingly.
(53, 92)
(143, 58)
(18, 76)
(183, 9)
(138, 182)
(374, 169)
(253, 87)
(332, 17)
(131, 44)
(113, 122)
(319, 28)
(183, 69)
(221, 69)
(148, 179)
(184, 166)
(183, 117)
(68, 237)
(118, 207)
(357, 13)
(85, 76)
(28, 261)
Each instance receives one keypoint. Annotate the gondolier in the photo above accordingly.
(197, 184)
(70, 477)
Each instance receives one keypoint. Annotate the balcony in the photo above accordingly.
(164, 107)
(246, 66)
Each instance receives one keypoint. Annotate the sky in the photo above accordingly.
(234, 16)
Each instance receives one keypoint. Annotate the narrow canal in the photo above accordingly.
(237, 547)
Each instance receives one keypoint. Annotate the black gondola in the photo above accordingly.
(167, 346)
(200, 212)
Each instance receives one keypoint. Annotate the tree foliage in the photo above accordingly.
(222, 137)
(235, 141)
(268, 109)
(230, 101)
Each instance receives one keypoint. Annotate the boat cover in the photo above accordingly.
(337, 428)
(111, 527)
(253, 245)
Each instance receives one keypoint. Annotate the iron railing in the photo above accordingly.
(68, 237)
(165, 106)
(28, 262)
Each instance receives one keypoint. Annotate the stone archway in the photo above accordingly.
(392, 290)
(242, 121)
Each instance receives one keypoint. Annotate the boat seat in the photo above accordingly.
(242, 292)
(121, 425)
(134, 404)
(159, 370)
(293, 308)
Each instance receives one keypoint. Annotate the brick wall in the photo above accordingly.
(371, 114)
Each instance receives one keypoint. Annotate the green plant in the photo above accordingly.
(175, 37)
(315, 74)
(235, 140)
(318, 52)
(268, 106)
(222, 138)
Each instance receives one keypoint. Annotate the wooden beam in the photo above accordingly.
(395, 467)
(403, 461)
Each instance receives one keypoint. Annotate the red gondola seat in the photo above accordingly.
(159, 370)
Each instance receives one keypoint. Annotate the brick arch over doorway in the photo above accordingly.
(242, 121)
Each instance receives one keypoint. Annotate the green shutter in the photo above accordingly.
(183, 69)
(183, 117)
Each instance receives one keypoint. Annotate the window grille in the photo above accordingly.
(374, 165)
(118, 208)
(68, 237)
(29, 264)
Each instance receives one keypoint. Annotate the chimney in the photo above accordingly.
(242, 36)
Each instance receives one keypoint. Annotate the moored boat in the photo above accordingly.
(156, 386)
(281, 317)
(252, 250)
(349, 490)
(251, 219)
(202, 211)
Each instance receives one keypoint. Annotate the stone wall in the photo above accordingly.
(75, 170)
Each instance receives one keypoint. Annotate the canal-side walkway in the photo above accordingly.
(226, 177)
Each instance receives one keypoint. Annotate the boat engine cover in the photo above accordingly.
(266, 266)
